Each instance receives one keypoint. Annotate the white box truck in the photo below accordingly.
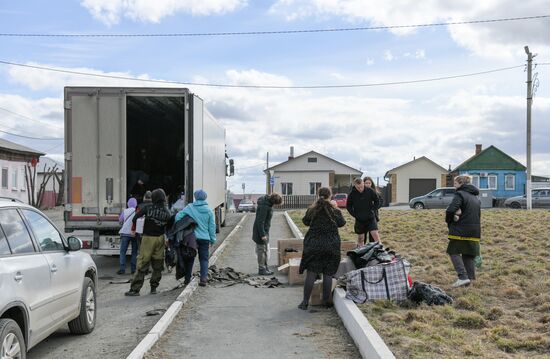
(120, 142)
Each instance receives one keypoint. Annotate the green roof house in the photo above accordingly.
(493, 169)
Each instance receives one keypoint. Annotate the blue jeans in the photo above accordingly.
(124, 242)
(204, 246)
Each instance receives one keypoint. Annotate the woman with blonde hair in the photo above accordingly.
(464, 231)
(321, 253)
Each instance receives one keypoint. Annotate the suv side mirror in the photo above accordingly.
(75, 244)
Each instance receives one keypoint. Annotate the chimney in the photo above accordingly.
(291, 153)
(478, 149)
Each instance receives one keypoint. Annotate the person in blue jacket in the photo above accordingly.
(205, 231)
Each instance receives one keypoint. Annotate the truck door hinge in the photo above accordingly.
(68, 156)
(68, 104)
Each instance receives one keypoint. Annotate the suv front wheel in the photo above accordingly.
(12, 344)
(85, 322)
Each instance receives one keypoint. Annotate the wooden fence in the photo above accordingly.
(297, 202)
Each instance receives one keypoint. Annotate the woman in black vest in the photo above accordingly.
(463, 217)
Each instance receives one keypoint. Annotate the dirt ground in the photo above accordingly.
(504, 314)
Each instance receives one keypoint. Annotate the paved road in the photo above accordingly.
(121, 321)
(241, 321)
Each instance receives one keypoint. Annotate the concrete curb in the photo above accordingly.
(293, 227)
(367, 340)
(164, 322)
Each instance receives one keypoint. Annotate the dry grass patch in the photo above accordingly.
(504, 314)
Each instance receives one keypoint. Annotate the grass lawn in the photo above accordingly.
(504, 314)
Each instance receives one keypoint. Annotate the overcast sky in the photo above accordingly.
(373, 129)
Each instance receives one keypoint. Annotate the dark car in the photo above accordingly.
(438, 198)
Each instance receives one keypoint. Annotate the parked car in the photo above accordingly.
(438, 198)
(341, 199)
(540, 199)
(45, 281)
(246, 205)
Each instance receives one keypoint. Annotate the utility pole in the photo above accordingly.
(529, 104)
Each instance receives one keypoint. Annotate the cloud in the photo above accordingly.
(111, 11)
(371, 130)
(388, 56)
(493, 40)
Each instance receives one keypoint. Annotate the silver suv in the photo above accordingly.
(438, 198)
(45, 281)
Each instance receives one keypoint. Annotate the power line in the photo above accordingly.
(28, 118)
(32, 138)
(376, 84)
(277, 32)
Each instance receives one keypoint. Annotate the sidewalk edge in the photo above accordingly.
(293, 227)
(164, 322)
(367, 340)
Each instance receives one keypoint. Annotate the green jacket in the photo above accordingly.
(264, 213)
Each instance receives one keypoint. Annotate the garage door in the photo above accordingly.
(421, 186)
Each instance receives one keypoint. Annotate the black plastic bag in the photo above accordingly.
(431, 295)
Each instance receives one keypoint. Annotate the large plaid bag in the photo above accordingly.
(386, 281)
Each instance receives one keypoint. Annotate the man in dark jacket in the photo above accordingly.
(157, 219)
(260, 231)
(464, 230)
(362, 205)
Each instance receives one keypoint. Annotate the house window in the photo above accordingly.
(286, 188)
(4, 177)
(14, 180)
(314, 188)
(475, 181)
(492, 182)
(510, 182)
(312, 159)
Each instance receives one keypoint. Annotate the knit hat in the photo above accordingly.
(147, 196)
(132, 202)
(200, 195)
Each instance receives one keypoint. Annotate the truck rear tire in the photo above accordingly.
(217, 215)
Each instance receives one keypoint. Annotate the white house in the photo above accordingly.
(415, 178)
(305, 174)
(13, 159)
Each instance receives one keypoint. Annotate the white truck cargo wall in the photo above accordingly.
(209, 165)
(96, 153)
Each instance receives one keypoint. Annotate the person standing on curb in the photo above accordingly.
(153, 242)
(464, 231)
(127, 236)
(321, 245)
(362, 204)
(260, 231)
(205, 230)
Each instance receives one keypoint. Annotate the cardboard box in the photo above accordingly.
(347, 246)
(282, 244)
(317, 293)
(293, 276)
(287, 256)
